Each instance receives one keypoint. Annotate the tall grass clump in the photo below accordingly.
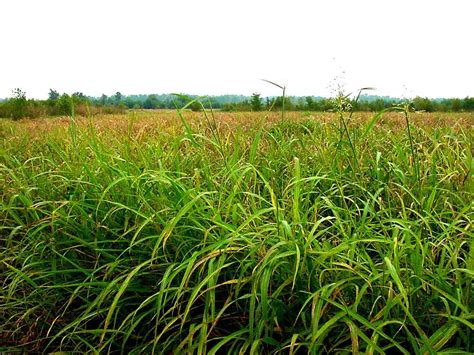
(230, 234)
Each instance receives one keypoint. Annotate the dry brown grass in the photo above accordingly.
(143, 123)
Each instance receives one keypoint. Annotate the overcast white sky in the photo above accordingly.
(403, 48)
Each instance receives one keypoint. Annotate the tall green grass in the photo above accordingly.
(250, 239)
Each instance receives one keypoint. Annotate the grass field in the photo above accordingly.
(238, 232)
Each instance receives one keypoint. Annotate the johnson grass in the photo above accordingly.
(227, 233)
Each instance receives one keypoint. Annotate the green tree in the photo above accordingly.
(422, 104)
(278, 103)
(103, 100)
(268, 103)
(468, 104)
(79, 96)
(195, 106)
(53, 95)
(19, 104)
(151, 102)
(456, 105)
(65, 104)
(256, 102)
(118, 98)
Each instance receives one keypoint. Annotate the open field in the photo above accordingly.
(147, 232)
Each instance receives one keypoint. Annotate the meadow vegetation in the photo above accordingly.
(205, 232)
(19, 106)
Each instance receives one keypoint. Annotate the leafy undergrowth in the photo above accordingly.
(302, 235)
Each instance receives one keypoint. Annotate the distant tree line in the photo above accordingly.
(18, 106)
(365, 103)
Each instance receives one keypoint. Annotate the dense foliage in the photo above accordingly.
(56, 105)
(247, 232)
